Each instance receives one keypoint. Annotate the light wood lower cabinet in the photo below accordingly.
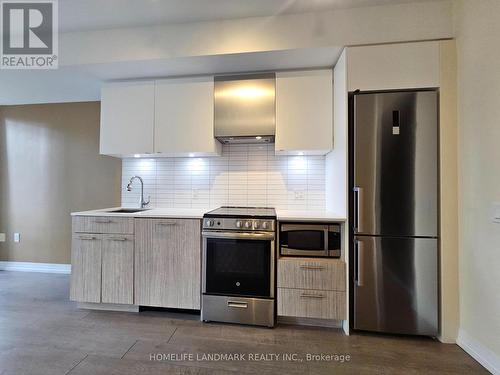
(306, 303)
(168, 263)
(86, 268)
(102, 268)
(311, 288)
(118, 269)
(311, 273)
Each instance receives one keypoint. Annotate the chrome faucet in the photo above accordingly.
(143, 203)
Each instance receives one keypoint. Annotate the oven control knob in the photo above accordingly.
(256, 224)
(248, 224)
(239, 224)
(210, 223)
(265, 225)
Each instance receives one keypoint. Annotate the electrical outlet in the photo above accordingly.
(300, 194)
(17, 237)
(496, 212)
(2, 237)
(195, 193)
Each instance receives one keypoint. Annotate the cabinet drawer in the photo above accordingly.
(307, 303)
(311, 273)
(103, 224)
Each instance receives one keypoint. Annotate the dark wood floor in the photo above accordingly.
(41, 332)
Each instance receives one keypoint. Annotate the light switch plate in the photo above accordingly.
(17, 237)
(496, 212)
(2, 237)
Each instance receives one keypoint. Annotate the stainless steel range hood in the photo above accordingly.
(245, 110)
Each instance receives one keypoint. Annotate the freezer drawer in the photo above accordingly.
(396, 285)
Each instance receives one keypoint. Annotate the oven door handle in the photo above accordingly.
(237, 304)
(239, 235)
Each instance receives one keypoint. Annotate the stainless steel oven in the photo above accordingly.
(238, 264)
(238, 270)
(311, 240)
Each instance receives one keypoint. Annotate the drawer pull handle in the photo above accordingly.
(305, 295)
(102, 221)
(306, 267)
(237, 304)
(118, 239)
(87, 238)
(167, 223)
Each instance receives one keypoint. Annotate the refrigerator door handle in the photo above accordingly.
(357, 209)
(359, 254)
(355, 276)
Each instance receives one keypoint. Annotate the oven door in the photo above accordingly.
(238, 264)
(304, 240)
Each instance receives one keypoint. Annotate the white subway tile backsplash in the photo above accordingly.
(245, 175)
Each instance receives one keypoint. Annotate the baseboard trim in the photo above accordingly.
(345, 327)
(479, 352)
(35, 267)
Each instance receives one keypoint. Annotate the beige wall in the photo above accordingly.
(448, 185)
(478, 42)
(49, 166)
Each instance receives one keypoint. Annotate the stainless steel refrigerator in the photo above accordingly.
(394, 211)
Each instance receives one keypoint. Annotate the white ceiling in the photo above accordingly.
(84, 15)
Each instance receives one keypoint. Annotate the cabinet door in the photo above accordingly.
(304, 106)
(118, 269)
(86, 268)
(184, 117)
(127, 118)
(167, 263)
(393, 66)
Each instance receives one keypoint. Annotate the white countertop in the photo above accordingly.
(174, 213)
(197, 213)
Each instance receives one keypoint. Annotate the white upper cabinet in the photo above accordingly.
(393, 66)
(127, 118)
(304, 107)
(184, 117)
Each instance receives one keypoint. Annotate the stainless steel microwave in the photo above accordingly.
(312, 240)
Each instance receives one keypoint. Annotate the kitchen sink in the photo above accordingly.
(129, 210)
